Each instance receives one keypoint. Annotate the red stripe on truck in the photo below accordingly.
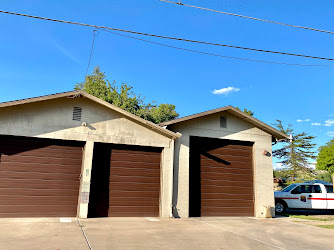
(322, 199)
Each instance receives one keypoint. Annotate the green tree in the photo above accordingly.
(282, 173)
(325, 176)
(296, 154)
(325, 159)
(248, 112)
(122, 96)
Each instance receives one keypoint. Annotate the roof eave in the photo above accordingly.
(265, 127)
(78, 93)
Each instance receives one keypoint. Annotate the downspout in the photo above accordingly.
(172, 143)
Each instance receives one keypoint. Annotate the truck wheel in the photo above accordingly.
(280, 207)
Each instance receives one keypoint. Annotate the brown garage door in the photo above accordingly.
(226, 177)
(125, 181)
(39, 178)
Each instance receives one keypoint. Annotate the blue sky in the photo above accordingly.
(40, 57)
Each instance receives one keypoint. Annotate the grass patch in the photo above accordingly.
(326, 226)
(305, 217)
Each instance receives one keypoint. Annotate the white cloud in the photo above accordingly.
(307, 120)
(329, 123)
(330, 133)
(299, 120)
(316, 124)
(225, 91)
(331, 115)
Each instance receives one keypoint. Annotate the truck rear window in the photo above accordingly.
(329, 189)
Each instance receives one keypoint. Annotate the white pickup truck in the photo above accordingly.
(305, 196)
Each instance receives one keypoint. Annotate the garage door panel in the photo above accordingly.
(130, 165)
(130, 186)
(223, 202)
(36, 214)
(38, 200)
(220, 185)
(133, 181)
(44, 152)
(42, 209)
(232, 188)
(233, 165)
(133, 194)
(237, 213)
(222, 177)
(134, 201)
(226, 170)
(210, 176)
(227, 195)
(36, 143)
(119, 170)
(36, 167)
(141, 179)
(134, 170)
(37, 175)
(231, 151)
(39, 184)
(227, 149)
(135, 158)
(222, 210)
(39, 192)
(40, 160)
(134, 209)
(139, 152)
(227, 158)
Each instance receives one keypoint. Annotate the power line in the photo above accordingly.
(217, 55)
(253, 18)
(167, 37)
(95, 33)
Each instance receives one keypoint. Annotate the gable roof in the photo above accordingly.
(265, 127)
(81, 93)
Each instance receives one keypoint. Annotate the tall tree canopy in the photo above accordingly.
(295, 155)
(325, 159)
(122, 96)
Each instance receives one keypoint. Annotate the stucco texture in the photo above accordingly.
(236, 129)
(53, 119)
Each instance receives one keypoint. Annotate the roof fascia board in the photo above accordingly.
(265, 127)
(40, 98)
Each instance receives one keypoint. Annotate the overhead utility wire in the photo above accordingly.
(253, 18)
(95, 33)
(167, 37)
(211, 54)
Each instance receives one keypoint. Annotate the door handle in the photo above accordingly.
(310, 196)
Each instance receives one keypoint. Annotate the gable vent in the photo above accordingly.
(223, 121)
(77, 111)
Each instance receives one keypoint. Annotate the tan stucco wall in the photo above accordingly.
(53, 119)
(237, 129)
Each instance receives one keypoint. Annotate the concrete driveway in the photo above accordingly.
(150, 233)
